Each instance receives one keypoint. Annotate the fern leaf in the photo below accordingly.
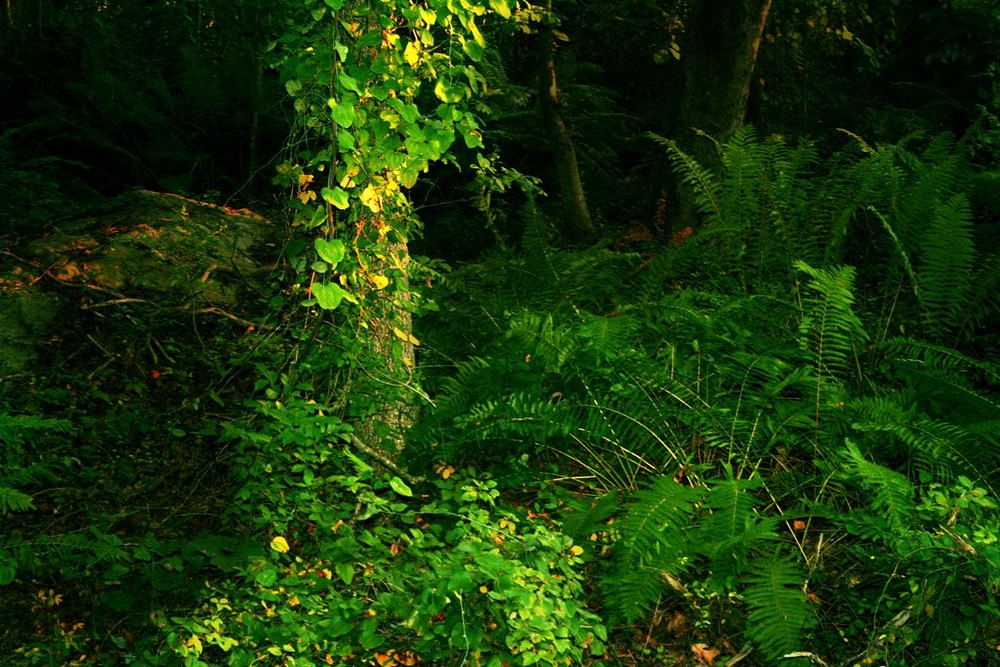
(779, 610)
(945, 268)
(652, 547)
(892, 492)
(12, 500)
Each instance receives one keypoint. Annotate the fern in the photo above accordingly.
(779, 610)
(829, 331)
(12, 500)
(945, 269)
(892, 493)
(652, 548)
(731, 528)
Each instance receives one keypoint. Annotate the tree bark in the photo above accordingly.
(719, 52)
(577, 223)
(388, 330)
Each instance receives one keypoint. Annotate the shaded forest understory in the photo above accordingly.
(342, 332)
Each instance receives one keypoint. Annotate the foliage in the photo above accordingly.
(774, 436)
(361, 568)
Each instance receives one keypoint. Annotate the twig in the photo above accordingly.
(385, 460)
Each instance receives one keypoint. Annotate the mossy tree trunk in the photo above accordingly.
(577, 223)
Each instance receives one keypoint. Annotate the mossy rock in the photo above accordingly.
(166, 252)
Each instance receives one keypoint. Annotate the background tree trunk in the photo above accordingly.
(576, 221)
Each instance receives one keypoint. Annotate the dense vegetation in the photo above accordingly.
(589, 341)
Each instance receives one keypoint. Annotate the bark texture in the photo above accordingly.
(577, 223)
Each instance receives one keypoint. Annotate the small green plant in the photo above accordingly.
(361, 564)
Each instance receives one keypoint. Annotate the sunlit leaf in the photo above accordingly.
(501, 7)
(336, 196)
(342, 113)
(412, 54)
(400, 487)
(332, 251)
(371, 198)
(280, 544)
(328, 295)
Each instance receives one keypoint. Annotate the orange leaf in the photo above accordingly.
(705, 655)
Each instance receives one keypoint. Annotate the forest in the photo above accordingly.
(493, 333)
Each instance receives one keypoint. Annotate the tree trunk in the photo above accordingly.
(387, 329)
(719, 52)
(576, 220)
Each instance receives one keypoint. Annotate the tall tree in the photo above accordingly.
(382, 89)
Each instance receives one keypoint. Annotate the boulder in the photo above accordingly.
(162, 252)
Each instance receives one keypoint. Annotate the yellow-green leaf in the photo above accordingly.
(328, 296)
(280, 544)
(501, 7)
(370, 198)
(336, 196)
(332, 251)
(412, 54)
(380, 281)
(400, 487)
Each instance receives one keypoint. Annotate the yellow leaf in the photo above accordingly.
(280, 544)
(371, 198)
(575, 550)
(305, 179)
(306, 196)
(405, 337)
(412, 54)
(380, 282)
(293, 601)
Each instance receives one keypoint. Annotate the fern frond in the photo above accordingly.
(582, 517)
(945, 265)
(701, 180)
(892, 492)
(12, 500)
(779, 610)
(652, 545)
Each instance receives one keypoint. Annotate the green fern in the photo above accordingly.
(946, 264)
(652, 549)
(892, 493)
(829, 330)
(12, 500)
(779, 610)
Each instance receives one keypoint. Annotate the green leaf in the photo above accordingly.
(8, 568)
(400, 487)
(337, 197)
(449, 93)
(346, 572)
(342, 112)
(334, 4)
(332, 252)
(473, 49)
(267, 576)
(328, 295)
(348, 82)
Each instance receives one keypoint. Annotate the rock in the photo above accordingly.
(165, 252)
